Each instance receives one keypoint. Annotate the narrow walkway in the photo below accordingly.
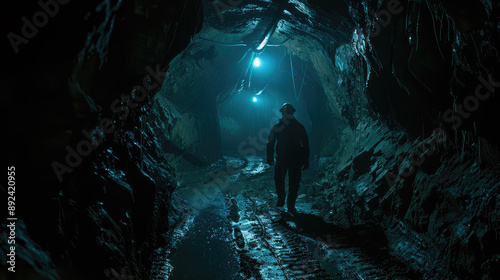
(234, 232)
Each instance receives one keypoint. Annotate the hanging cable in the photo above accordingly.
(303, 81)
(258, 48)
(293, 76)
(250, 69)
(245, 55)
(224, 44)
(279, 44)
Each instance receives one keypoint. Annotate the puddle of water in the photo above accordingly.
(207, 252)
(255, 166)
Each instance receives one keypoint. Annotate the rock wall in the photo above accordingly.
(94, 186)
(409, 159)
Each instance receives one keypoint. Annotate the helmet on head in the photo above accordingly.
(289, 108)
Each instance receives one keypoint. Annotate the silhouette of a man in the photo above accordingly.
(292, 155)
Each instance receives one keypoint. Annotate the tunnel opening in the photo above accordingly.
(250, 84)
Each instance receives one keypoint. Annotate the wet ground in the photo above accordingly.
(232, 230)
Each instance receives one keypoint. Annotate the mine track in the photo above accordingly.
(279, 253)
(269, 250)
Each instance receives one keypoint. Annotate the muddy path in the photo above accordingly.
(232, 230)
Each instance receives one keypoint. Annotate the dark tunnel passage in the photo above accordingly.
(137, 134)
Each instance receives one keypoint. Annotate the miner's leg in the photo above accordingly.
(293, 185)
(279, 180)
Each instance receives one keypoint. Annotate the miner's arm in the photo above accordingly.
(271, 142)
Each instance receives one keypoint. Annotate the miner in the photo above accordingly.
(292, 155)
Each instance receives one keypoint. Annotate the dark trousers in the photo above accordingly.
(293, 168)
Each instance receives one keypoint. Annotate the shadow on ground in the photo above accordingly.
(370, 237)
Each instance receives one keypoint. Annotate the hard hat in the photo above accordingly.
(289, 108)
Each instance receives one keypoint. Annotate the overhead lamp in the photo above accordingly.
(257, 62)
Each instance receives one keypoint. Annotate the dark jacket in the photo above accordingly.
(293, 144)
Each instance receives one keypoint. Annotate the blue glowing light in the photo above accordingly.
(256, 62)
(254, 99)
